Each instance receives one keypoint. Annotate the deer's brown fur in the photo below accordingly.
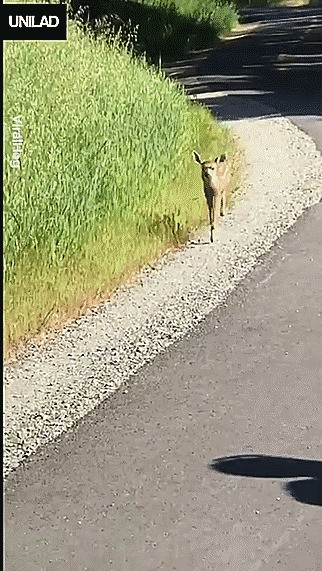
(215, 177)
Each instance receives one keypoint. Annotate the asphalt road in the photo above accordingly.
(211, 457)
(277, 66)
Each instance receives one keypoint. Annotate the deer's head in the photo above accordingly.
(209, 168)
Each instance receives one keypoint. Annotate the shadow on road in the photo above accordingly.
(307, 490)
(278, 64)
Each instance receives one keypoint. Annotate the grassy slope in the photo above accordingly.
(107, 181)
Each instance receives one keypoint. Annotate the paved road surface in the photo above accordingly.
(140, 484)
(130, 488)
(277, 65)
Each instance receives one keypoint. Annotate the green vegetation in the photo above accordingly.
(107, 180)
(164, 28)
(220, 15)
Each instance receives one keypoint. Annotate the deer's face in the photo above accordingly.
(211, 171)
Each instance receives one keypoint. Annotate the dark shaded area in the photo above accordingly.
(278, 65)
(306, 491)
(260, 466)
(160, 30)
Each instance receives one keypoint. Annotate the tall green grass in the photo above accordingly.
(107, 181)
(221, 15)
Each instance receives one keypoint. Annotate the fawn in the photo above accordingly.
(215, 176)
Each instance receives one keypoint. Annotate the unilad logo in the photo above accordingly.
(31, 22)
(46, 22)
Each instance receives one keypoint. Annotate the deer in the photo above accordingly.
(215, 176)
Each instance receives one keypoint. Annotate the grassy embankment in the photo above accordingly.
(107, 182)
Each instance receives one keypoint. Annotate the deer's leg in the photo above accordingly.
(210, 204)
(211, 220)
(217, 201)
(223, 202)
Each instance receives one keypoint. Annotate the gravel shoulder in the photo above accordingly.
(57, 383)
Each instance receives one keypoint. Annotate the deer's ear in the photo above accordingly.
(223, 158)
(197, 157)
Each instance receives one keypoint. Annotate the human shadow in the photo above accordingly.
(307, 474)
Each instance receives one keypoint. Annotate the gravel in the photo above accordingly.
(61, 380)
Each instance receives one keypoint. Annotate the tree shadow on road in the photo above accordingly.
(307, 474)
(277, 66)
